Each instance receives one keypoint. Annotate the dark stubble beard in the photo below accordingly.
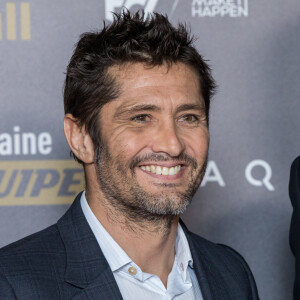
(128, 198)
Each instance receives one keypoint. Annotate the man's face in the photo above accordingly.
(154, 140)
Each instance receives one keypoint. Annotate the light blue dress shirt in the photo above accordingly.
(132, 281)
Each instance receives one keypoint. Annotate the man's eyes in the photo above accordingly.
(141, 118)
(187, 118)
(191, 119)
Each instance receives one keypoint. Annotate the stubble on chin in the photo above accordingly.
(127, 200)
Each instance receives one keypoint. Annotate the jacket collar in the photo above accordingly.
(86, 265)
(202, 269)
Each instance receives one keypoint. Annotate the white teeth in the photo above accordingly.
(165, 171)
(161, 170)
(158, 170)
(172, 171)
(177, 169)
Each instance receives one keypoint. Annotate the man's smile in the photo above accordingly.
(161, 170)
(164, 170)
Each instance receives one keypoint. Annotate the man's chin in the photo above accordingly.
(156, 188)
(167, 210)
(166, 204)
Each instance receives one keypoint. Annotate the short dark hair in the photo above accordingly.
(130, 38)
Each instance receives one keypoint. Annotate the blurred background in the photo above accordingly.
(253, 48)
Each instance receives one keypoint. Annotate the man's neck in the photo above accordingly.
(150, 245)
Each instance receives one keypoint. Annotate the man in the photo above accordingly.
(294, 189)
(136, 101)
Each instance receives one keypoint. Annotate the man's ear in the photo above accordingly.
(78, 139)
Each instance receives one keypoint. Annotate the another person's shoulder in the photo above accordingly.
(296, 162)
(295, 172)
(294, 184)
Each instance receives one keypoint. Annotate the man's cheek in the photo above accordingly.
(198, 150)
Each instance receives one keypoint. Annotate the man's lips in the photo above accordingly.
(165, 170)
(167, 164)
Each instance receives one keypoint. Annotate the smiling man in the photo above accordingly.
(137, 100)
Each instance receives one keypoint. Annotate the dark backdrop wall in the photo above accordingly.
(254, 50)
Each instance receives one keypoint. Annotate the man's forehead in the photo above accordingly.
(134, 70)
(147, 86)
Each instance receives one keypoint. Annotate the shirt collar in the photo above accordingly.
(183, 253)
(117, 257)
(114, 254)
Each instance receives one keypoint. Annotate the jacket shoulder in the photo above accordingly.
(46, 238)
(214, 250)
(38, 258)
(228, 272)
(40, 246)
(219, 254)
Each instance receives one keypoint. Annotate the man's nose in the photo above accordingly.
(167, 140)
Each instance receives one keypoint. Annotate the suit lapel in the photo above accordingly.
(87, 267)
(104, 287)
(208, 268)
(202, 269)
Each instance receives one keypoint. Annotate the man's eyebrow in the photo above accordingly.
(190, 106)
(135, 109)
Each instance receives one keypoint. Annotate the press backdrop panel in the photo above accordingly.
(253, 48)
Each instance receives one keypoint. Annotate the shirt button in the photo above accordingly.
(132, 271)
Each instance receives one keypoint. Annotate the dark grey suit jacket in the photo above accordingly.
(294, 189)
(65, 261)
